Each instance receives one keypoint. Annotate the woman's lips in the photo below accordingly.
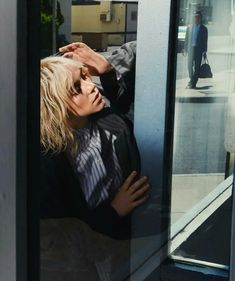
(97, 95)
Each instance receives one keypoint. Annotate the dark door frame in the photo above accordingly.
(19, 144)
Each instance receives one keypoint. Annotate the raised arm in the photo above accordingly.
(121, 60)
(96, 63)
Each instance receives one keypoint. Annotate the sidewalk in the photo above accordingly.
(223, 50)
(189, 189)
(218, 87)
(221, 45)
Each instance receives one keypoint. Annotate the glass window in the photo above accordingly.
(204, 131)
(203, 155)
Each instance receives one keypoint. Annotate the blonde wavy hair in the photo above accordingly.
(56, 90)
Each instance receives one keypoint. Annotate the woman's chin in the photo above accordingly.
(101, 104)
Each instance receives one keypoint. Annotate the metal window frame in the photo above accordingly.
(180, 271)
(153, 123)
(19, 142)
(232, 243)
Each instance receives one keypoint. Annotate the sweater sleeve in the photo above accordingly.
(123, 58)
(104, 219)
(119, 84)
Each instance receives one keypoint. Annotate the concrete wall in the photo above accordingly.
(86, 18)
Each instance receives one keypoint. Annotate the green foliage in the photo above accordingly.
(46, 23)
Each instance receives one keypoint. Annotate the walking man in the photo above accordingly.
(196, 47)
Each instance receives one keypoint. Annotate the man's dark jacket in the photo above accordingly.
(201, 44)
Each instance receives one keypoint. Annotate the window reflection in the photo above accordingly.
(203, 135)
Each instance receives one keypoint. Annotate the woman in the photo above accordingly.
(90, 161)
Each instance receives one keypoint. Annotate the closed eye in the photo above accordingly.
(77, 87)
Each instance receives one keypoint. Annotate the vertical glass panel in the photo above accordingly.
(204, 130)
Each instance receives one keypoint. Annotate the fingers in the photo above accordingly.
(67, 48)
(71, 47)
(73, 56)
(131, 194)
(137, 184)
(140, 201)
(68, 55)
(140, 192)
(129, 180)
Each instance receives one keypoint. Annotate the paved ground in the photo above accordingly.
(204, 127)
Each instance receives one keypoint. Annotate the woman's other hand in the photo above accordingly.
(131, 194)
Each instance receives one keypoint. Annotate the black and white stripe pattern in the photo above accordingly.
(96, 165)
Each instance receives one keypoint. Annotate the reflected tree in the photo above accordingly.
(46, 25)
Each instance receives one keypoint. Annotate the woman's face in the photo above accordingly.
(86, 99)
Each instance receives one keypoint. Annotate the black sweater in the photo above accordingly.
(61, 195)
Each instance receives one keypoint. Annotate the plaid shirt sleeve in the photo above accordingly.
(123, 58)
(119, 84)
